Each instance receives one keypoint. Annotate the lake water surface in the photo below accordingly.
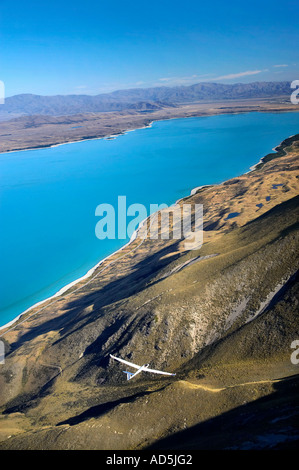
(48, 197)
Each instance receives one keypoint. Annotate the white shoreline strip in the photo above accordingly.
(71, 284)
(113, 136)
(90, 272)
(106, 137)
(252, 168)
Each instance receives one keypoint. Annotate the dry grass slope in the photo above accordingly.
(223, 317)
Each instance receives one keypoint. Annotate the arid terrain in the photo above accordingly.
(222, 317)
(34, 131)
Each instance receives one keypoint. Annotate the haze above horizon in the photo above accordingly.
(92, 48)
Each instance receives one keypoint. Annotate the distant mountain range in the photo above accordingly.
(139, 99)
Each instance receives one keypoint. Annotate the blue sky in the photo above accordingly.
(90, 47)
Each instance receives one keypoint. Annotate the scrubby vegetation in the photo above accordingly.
(223, 317)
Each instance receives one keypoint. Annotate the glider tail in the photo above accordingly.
(129, 374)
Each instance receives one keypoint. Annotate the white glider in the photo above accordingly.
(143, 368)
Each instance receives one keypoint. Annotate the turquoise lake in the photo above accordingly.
(48, 197)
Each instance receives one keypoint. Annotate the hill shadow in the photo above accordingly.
(114, 291)
(102, 409)
(270, 422)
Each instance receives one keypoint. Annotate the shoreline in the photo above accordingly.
(276, 149)
(149, 125)
(88, 275)
(70, 284)
(107, 137)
